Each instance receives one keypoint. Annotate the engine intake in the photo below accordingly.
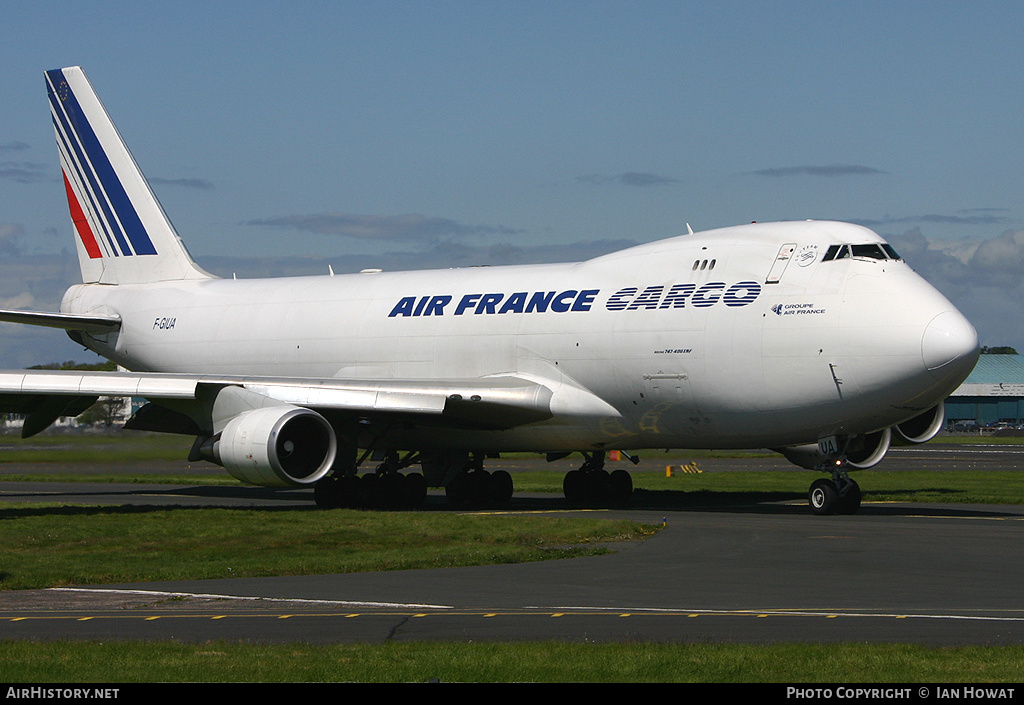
(868, 450)
(276, 446)
(863, 452)
(923, 427)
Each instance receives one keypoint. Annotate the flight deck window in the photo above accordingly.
(870, 251)
(891, 252)
(836, 252)
(873, 251)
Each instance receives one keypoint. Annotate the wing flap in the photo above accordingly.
(112, 384)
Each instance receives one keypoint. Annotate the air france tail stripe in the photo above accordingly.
(69, 112)
(73, 150)
(70, 164)
(81, 224)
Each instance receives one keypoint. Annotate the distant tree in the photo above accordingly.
(998, 350)
(107, 411)
(105, 366)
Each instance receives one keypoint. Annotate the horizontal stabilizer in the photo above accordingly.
(67, 321)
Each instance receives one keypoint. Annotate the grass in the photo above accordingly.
(50, 545)
(548, 662)
(116, 446)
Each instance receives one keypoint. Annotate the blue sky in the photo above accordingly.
(285, 137)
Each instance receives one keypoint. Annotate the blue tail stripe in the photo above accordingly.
(119, 200)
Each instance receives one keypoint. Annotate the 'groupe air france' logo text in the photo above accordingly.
(631, 298)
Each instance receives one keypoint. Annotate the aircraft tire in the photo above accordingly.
(597, 487)
(415, 490)
(394, 493)
(469, 489)
(573, 487)
(327, 493)
(600, 489)
(823, 497)
(336, 492)
(501, 487)
(620, 488)
(849, 503)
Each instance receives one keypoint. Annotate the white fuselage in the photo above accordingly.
(689, 342)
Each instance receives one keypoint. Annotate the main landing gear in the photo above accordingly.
(386, 488)
(593, 485)
(466, 483)
(476, 487)
(840, 495)
(468, 486)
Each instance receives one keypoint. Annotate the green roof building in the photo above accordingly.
(993, 392)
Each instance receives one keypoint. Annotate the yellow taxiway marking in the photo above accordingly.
(981, 615)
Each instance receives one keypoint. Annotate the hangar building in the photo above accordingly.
(992, 393)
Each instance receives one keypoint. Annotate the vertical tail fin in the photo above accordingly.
(123, 235)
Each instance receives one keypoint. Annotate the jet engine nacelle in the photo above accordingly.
(863, 452)
(923, 427)
(276, 446)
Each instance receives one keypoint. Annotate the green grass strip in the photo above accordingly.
(49, 546)
(546, 662)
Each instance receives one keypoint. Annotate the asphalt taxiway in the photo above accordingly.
(756, 570)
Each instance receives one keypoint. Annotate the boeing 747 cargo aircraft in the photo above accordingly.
(814, 339)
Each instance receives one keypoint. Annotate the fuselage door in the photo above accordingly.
(781, 261)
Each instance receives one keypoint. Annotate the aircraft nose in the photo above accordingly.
(949, 345)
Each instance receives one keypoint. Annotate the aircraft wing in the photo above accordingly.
(488, 402)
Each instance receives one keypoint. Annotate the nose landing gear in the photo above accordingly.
(840, 495)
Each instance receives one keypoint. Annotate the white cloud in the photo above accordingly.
(984, 279)
(630, 178)
(828, 170)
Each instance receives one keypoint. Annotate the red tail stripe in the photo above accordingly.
(81, 224)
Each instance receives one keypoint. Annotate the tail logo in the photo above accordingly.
(105, 217)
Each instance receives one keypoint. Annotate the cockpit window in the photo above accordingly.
(881, 251)
(891, 251)
(870, 251)
(836, 252)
